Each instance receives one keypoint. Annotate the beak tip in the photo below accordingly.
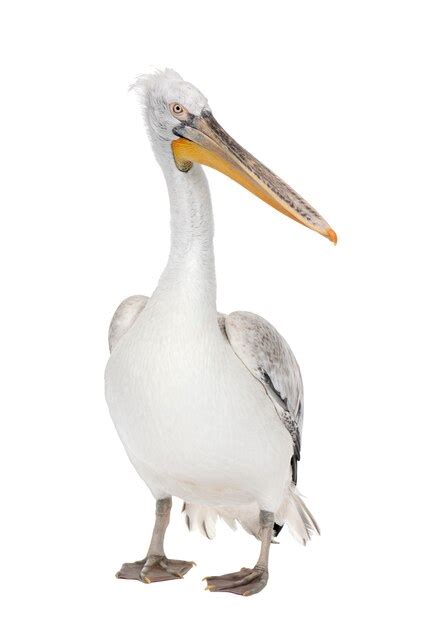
(332, 236)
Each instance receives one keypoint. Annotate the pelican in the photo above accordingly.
(209, 407)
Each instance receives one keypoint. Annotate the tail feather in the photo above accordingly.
(202, 518)
(313, 524)
(298, 518)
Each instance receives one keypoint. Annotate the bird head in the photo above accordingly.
(181, 125)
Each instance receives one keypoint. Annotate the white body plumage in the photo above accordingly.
(194, 421)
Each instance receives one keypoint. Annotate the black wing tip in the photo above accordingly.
(276, 529)
(294, 464)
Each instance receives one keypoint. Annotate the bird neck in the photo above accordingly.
(189, 277)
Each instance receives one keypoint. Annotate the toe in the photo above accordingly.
(165, 565)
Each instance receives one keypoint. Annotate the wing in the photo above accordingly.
(268, 357)
(124, 317)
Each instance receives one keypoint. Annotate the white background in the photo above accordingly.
(333, 97)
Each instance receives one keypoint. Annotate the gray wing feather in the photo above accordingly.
(269, 358)
(124, 317)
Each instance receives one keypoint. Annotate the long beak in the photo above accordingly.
(203, 140)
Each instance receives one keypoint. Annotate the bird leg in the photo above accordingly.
(248, 581)
(156, 567)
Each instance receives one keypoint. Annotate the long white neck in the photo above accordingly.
(188, 282)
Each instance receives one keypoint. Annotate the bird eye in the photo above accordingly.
(177, 109)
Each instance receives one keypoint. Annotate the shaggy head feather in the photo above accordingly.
(156, 92)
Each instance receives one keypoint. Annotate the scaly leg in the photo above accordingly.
(156, 567)
(248, 581)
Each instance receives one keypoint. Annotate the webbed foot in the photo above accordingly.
(246, 582)
(154, 569)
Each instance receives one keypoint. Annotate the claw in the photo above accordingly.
(146, 580)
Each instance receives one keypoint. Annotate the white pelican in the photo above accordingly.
(209, 407)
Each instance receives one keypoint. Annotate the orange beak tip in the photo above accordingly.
(332, 236)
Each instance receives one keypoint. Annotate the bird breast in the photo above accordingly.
(186, 407)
